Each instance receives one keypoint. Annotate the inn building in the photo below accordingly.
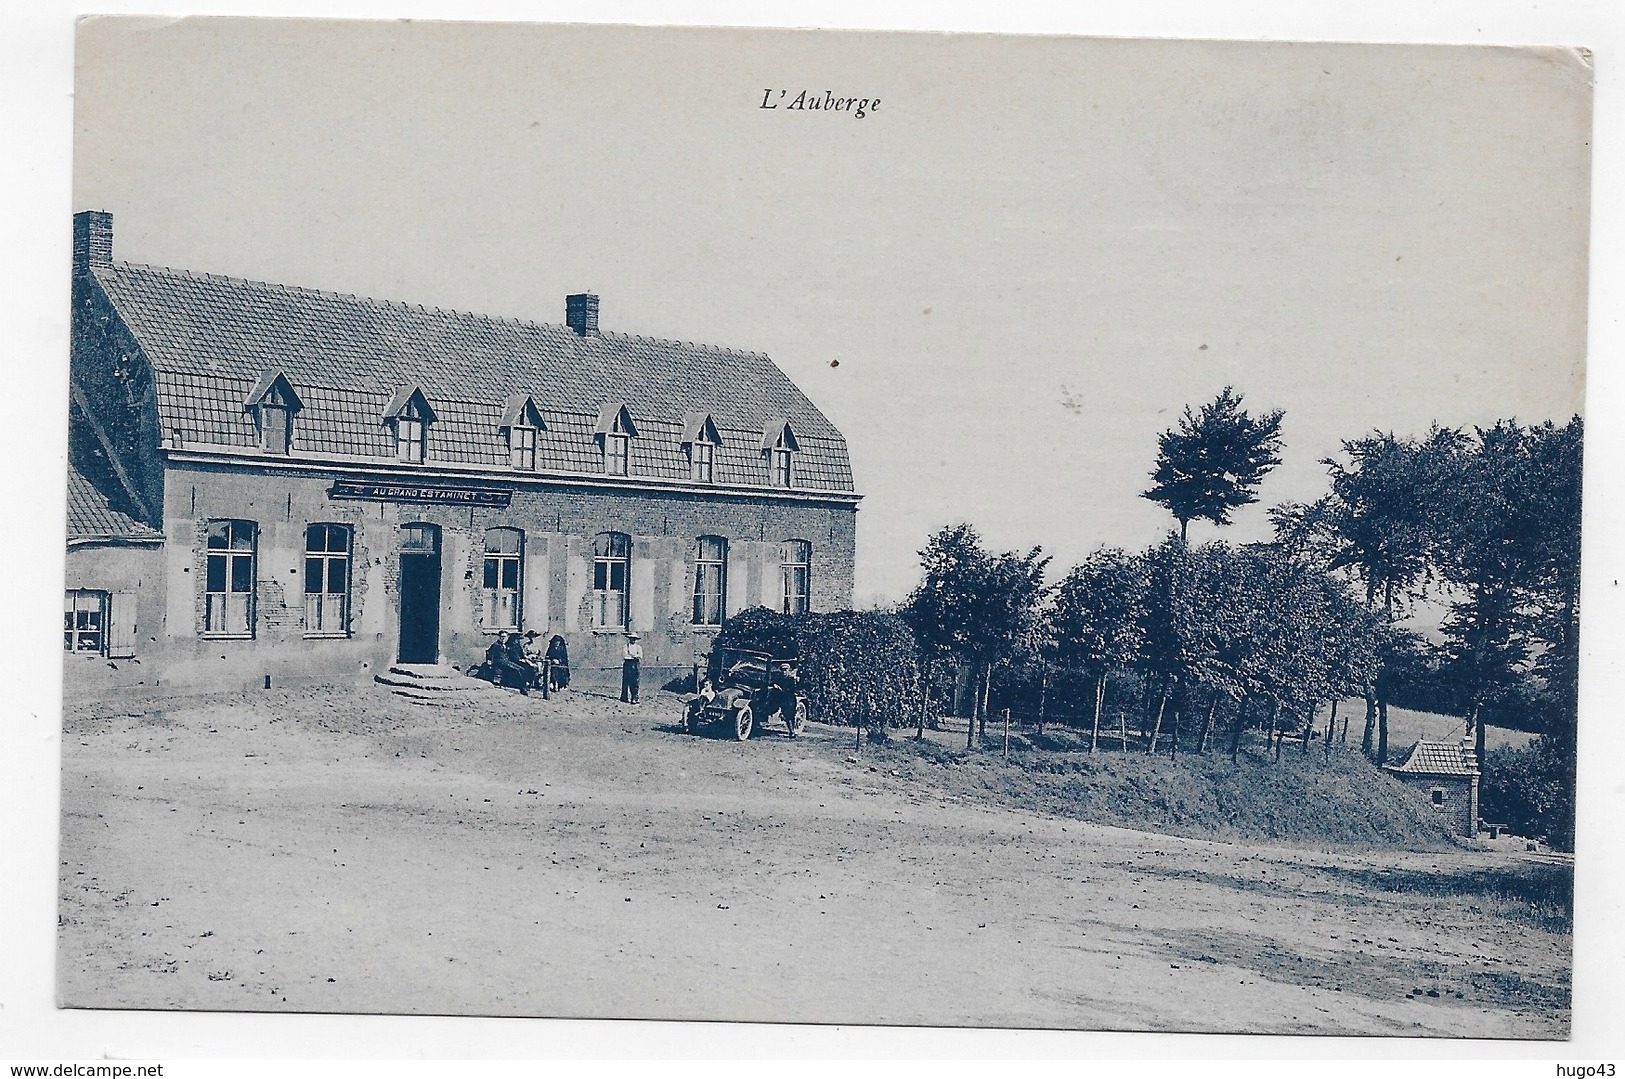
(284, 483)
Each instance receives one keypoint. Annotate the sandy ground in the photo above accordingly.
(332, 851)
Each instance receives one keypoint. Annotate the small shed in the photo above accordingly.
(1447, 772)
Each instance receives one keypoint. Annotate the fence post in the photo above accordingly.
(547, 679)
(1007, 734)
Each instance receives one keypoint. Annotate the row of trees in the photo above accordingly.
(1480, 526)
(1484, 525)
(1229, 634)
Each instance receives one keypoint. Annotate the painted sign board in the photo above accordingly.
(437, 494)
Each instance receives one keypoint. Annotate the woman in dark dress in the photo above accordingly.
(559, 657)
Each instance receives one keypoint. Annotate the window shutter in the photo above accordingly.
(120, 625)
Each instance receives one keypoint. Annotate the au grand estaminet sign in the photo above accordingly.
(436, 494)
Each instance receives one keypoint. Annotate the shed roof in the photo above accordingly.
(99, 505)
(92, 514)
(1438, 759)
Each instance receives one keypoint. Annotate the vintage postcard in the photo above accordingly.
(812, 527)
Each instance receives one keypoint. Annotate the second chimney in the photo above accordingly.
(581, 313)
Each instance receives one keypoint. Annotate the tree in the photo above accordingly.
(943, 610)
(1097, 621)
(974, 606)
(1511, 552)
(1010, 614)
(1213, 463)
(1381, 522)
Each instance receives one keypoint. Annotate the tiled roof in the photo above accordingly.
(1438, 759)
(92, 515)
(211, 339)
(99, 505)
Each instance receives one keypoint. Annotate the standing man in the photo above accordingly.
(631, 661)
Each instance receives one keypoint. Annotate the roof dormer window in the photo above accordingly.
(615, 433)
(700, 442)
(702, 462)
(521, 420)
(779, 448)
(273, 404)
(408, 415)
(617, 453)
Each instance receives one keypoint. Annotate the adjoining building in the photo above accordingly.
(1448, 773)
(283, 482)
(115, 559)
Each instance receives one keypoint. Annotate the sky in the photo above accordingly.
(1001, 283)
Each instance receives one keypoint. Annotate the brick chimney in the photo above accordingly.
(92, 239)
(581, 313)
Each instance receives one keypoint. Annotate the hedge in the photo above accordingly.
(857, 667)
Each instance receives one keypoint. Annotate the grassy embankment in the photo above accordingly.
(1314, 799)
(1306, 798)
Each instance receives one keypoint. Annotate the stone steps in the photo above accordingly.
(432, 683)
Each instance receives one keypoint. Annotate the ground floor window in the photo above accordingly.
(228, 602)
(1438, 796)
(84, 625)
(611, 565)
(327, 580)
(710, 581)
(796, 561)
(504, 558)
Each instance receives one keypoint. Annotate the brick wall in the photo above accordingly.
(559, 525)
(1460, 798)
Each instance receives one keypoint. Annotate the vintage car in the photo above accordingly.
(747, 688)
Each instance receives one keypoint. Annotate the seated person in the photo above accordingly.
(495, 656)
(501, 666)
(528, 673)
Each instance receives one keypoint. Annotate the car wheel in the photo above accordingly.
(744, 722)
(691, 718)
(798, 718)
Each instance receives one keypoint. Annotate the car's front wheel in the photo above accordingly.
(691, 717)
(744, 722)
(798, 718)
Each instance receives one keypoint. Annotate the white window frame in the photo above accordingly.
(504, 603)
(781, 467)
(702, 461)
(522, 447)
(228, 612)
(795, 567)
(617, 453)
(276, 419)
(411, 439)
(612, 558)
(327, 610)
(710, 581)
(92, 604)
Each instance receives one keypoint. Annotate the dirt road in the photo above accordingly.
(333, 851)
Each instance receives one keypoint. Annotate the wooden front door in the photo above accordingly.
(420, 594)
